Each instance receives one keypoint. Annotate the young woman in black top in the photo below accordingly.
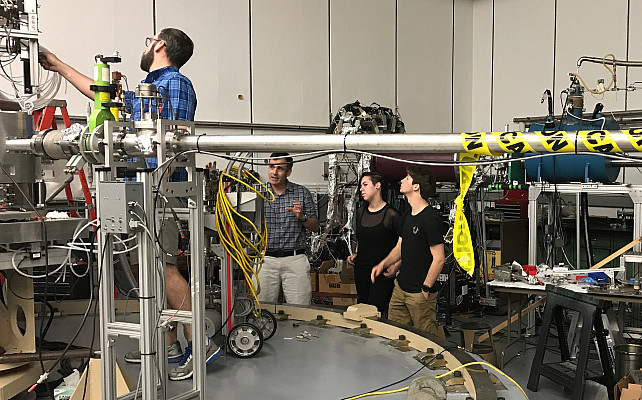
(377, 228)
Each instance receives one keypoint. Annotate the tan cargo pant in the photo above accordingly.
(414, 309)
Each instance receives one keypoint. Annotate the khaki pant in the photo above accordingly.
(414, 309)
(290, 273)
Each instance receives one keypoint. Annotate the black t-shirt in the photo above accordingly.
(419, 232)
(377, 233)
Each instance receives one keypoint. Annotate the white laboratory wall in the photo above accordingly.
(520, 48)
(462, 66)
(634, 99)
(482, 75)
(78, 30)
(523, 47)
(290, 50)
(219, 68)
(424, 65)
(292, 62)
(595, 40)
(447, 65)
(523, 54)
(362, 52)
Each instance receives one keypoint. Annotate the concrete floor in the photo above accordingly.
(333, 365)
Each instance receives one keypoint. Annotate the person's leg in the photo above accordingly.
(363, 283)
(270, 279)
(380, 294)
(179, 296)
(424, 311)
(296, 280)
(397, 310)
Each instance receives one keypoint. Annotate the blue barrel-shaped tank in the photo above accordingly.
(564, 168)
(572, 168)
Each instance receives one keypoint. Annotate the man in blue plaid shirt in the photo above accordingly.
(288, 217)
(164, 54)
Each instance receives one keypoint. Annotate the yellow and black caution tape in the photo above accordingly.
(462, 242)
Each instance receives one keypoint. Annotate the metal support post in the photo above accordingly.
(152, 341)
(106, 298)
(636, 196)
(533, 195)
(577, 230)
(197, 245)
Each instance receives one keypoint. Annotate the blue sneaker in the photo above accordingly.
(185, 369)
(212, 352)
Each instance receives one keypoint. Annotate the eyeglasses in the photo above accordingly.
(150, 40)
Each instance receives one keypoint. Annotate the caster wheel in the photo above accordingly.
(266, 322)
(245, 340)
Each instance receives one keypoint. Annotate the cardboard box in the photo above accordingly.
(493, 259)
(336, 283)
(347, 273)
(314, 281)
(331, 283)
(632, 392)
(327, 265)
(343, 301)
(627, 388)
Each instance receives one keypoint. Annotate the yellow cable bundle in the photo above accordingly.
(441, 376)
(234, 240)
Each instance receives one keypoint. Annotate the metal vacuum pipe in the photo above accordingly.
(19, 145)
(476, 142)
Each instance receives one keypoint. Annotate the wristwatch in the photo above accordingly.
(304, 220)
(425, 288)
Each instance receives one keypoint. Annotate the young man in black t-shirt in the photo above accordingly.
(421, 251)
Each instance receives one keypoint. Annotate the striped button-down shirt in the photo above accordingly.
(179, 103)
(285, 231)
(179, 97)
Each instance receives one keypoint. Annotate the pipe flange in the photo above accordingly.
(92, 146)
(38, 142)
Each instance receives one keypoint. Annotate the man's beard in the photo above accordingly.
(146, 61)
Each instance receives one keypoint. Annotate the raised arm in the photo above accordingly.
(50, 62)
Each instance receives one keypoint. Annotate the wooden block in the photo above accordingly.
(17, 322)
(94, 384)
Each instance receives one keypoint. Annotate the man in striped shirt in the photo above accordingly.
(288, 217)
(164, 54)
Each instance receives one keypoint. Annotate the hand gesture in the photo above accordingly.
(296, 209)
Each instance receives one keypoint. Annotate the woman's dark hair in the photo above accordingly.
(375, 178)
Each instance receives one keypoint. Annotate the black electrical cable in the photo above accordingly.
(86, 314)
(156, 196)
(91, 346)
